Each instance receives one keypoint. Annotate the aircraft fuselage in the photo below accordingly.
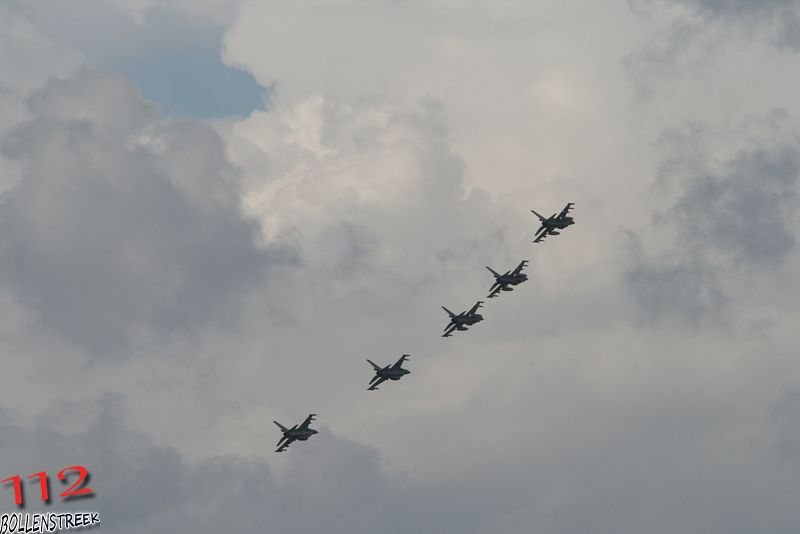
(300, 435)
(512, 280)
(559, 223)
(393, 374)
(468, 320)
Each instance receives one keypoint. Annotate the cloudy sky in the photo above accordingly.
(213, 211)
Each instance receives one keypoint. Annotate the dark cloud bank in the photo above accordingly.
(733, 211)
(124, 225)
(694, 29)
(778, 20)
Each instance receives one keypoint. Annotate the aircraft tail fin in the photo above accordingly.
(283, 428)
(374, 365)
(538, 215)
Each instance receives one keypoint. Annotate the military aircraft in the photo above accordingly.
(554, 223)
(503, 282)
(299, 432)
(390, 372)
(463, 319)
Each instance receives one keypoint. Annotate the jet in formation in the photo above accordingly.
(390, 372)
(462, 320)
(504, 282)
(554, 223)
(299, 432)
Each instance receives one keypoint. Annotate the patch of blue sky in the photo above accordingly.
(174, 58)
(193, 82)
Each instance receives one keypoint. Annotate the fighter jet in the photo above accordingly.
(552, 225)
(296, 433)
(463, 319)
(503, 282)
(390, 372)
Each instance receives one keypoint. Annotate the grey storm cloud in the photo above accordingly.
(122, 224)
(330, 484)
(779, 20)
(786, 412)
(699, 27)
(732, 211)
(140, 486)
(739, 7)
(671, 284)
(744, 208)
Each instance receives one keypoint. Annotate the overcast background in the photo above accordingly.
(213, 211)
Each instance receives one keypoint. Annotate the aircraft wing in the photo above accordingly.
(308, 420)
(519, 268)
(286, 443)
(475, 307)
(449, 330)
(496, 288)
(566, 209)
(375, 382)
(540, 236)
(399, 363)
